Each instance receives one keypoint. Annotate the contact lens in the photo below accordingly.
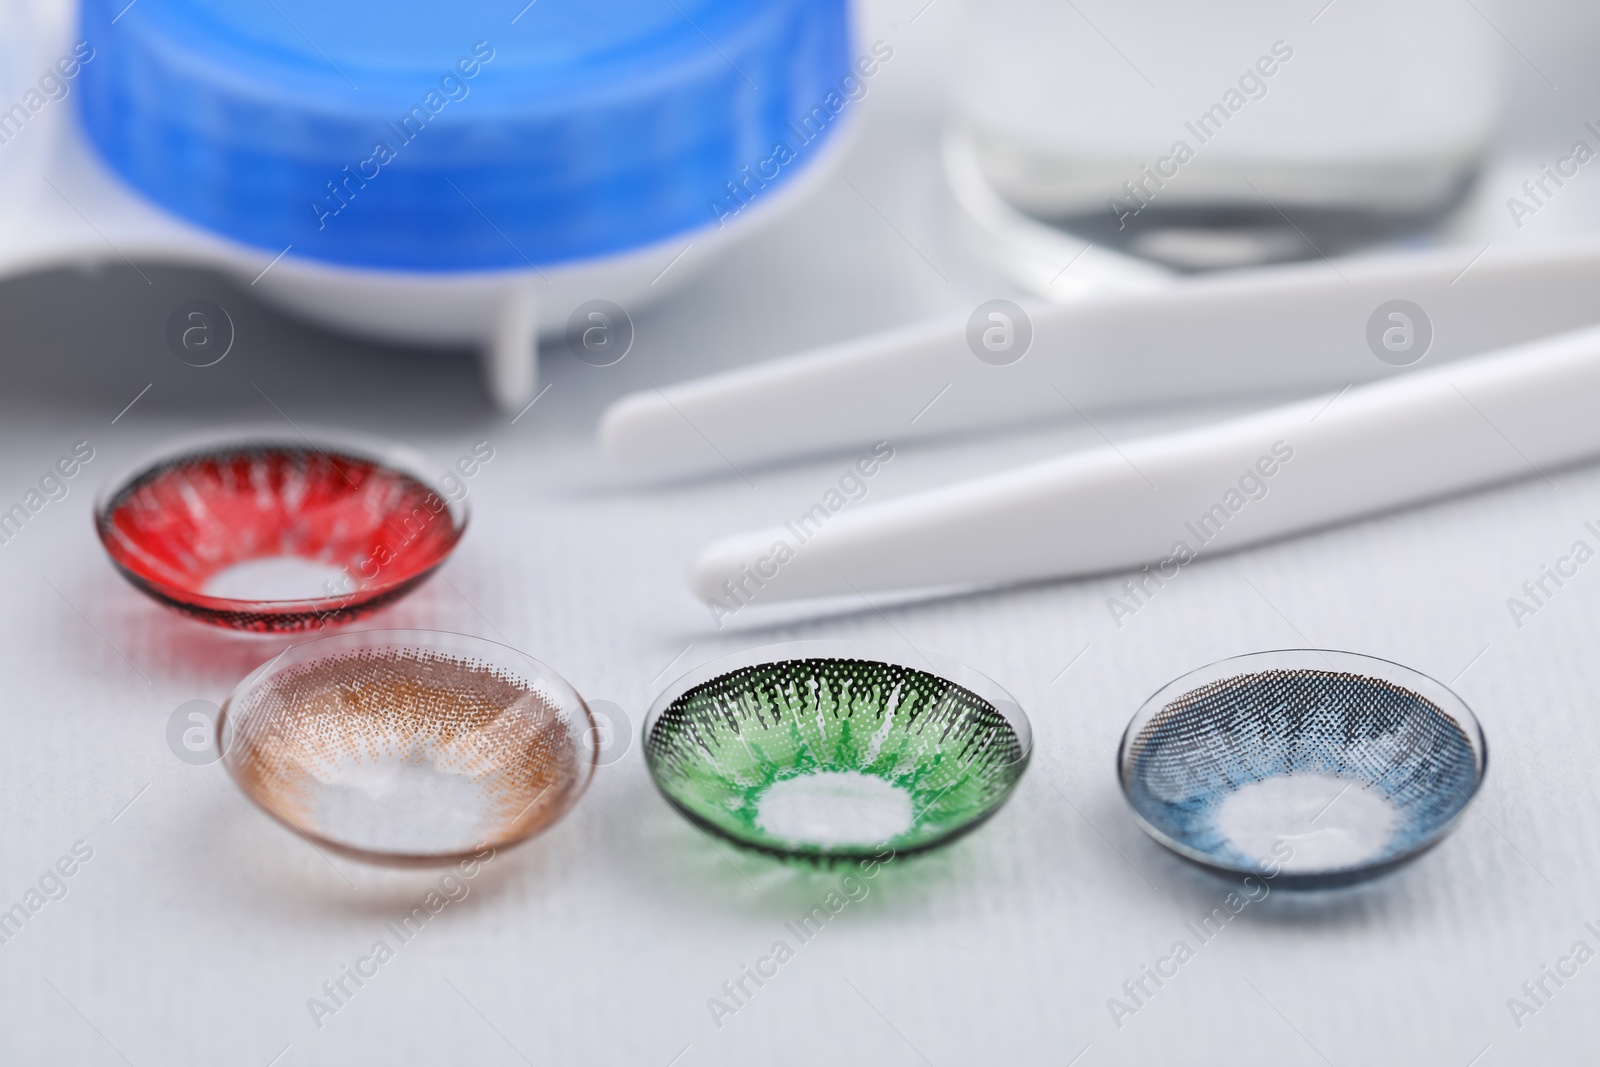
(273, 535)
(1316, 768)
(409, 746)
(820, 751)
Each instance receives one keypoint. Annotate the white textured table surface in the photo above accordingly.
(199, 929)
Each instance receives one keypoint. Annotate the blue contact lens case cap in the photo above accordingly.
(427, 136)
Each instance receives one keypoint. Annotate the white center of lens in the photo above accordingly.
(279, 578)
(1308, 822)
(832, 808)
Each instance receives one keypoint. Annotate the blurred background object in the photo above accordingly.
(442, 175)
(22, 43)
(1228, 134)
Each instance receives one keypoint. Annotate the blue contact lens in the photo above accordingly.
(1316, 768)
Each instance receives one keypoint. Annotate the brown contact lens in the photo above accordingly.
(409, 747)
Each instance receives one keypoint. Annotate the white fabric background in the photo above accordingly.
(199, 929)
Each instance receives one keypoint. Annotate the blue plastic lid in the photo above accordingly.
(447, 135)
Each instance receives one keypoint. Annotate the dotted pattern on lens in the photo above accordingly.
(316, 726)
(1208, 743)
(720, 746)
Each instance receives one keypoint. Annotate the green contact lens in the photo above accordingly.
(816, 750)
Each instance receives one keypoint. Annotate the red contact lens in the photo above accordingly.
(272, 536)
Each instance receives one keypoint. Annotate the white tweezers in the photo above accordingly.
(1509, 388)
